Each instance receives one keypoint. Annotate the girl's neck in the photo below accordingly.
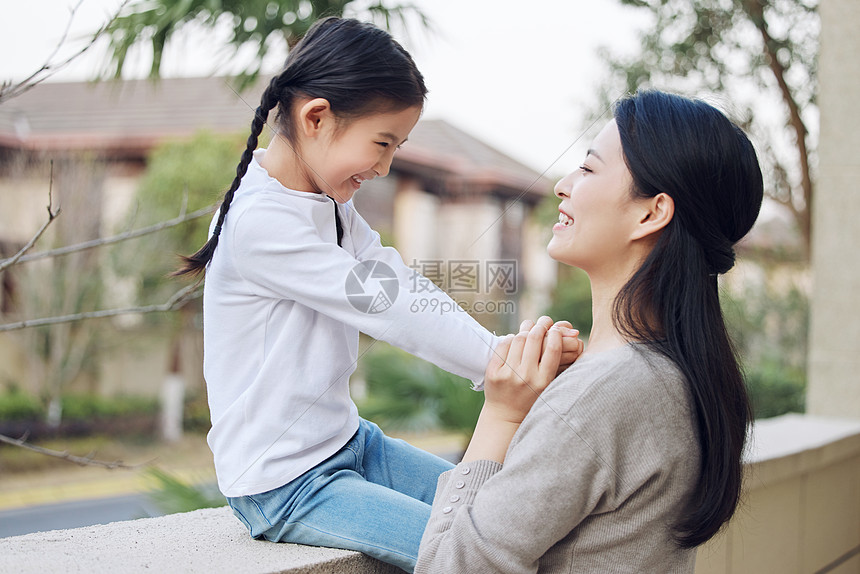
(281, 163)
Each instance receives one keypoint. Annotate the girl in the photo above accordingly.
(632, 457)
(284, 302)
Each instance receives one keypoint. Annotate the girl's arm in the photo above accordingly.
(368, 246)
(280, 254)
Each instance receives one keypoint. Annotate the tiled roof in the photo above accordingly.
(123, 116)
(128, 118)
(439, 146)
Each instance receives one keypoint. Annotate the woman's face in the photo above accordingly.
(596, 215)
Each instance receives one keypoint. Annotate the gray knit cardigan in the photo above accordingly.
(593, 480)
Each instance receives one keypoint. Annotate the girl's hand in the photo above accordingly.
(520, 369)
(571, 345)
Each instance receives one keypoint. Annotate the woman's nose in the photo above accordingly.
(562, 188)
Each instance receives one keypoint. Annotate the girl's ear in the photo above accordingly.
(656, 213)
(314, 116)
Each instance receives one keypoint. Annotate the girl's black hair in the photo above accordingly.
(359, 68)
(690, 151)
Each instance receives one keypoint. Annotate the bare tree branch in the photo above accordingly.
(755, 10)
(9, 90)
(65, 455)
(176, 301)
(5, 263)
(65, 250)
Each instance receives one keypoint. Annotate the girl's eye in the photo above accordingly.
(585, 169)
(386, 144)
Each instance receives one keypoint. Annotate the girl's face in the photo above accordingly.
(596, 215)
(358, 151)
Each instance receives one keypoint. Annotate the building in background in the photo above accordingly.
(458, 210)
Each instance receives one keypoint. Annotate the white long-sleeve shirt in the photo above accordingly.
(281, 334)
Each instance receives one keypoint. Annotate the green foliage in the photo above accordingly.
(259, 24)
(86, 407)
(19, 406)
(15, 406)
(711, 44)
(571, 299)
(546, 213)
(769, 326)
(175, 495)
(406, 393)
(200, 168)
(195, 415)
(194, 172)
(776, 389)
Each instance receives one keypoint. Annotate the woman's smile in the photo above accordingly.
(564, 221)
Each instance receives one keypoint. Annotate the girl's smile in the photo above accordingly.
(342, 157)
(336, 157)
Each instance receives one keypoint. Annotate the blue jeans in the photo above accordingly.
(373, 496)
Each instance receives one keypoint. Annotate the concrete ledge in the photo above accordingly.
(792, 445)
(801, 502)
(209, 541)
(799, 516)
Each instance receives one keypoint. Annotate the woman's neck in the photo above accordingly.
(604, 334)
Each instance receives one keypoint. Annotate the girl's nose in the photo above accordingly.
(384, 164)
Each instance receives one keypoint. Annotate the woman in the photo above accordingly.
(632, 457)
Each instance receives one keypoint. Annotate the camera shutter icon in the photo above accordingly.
(372, 286)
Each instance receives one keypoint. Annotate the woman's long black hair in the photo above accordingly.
(359, 68)
(690, 151)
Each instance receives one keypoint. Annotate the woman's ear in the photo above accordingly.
(314, 116)
(656, 213)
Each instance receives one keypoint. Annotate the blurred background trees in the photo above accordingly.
(757, 58)
(260, 26)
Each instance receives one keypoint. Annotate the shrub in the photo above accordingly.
(17, 406)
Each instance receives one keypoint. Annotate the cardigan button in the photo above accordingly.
(466, 470)
(447, 510)
(454, 498)
(459, 484)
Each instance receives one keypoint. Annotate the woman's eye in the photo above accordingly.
(585, 169)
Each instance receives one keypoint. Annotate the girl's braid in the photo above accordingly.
(196, 264)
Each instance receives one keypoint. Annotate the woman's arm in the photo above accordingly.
(520, 369)
(489, 517)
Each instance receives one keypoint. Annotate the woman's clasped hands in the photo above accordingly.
(522, 366)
